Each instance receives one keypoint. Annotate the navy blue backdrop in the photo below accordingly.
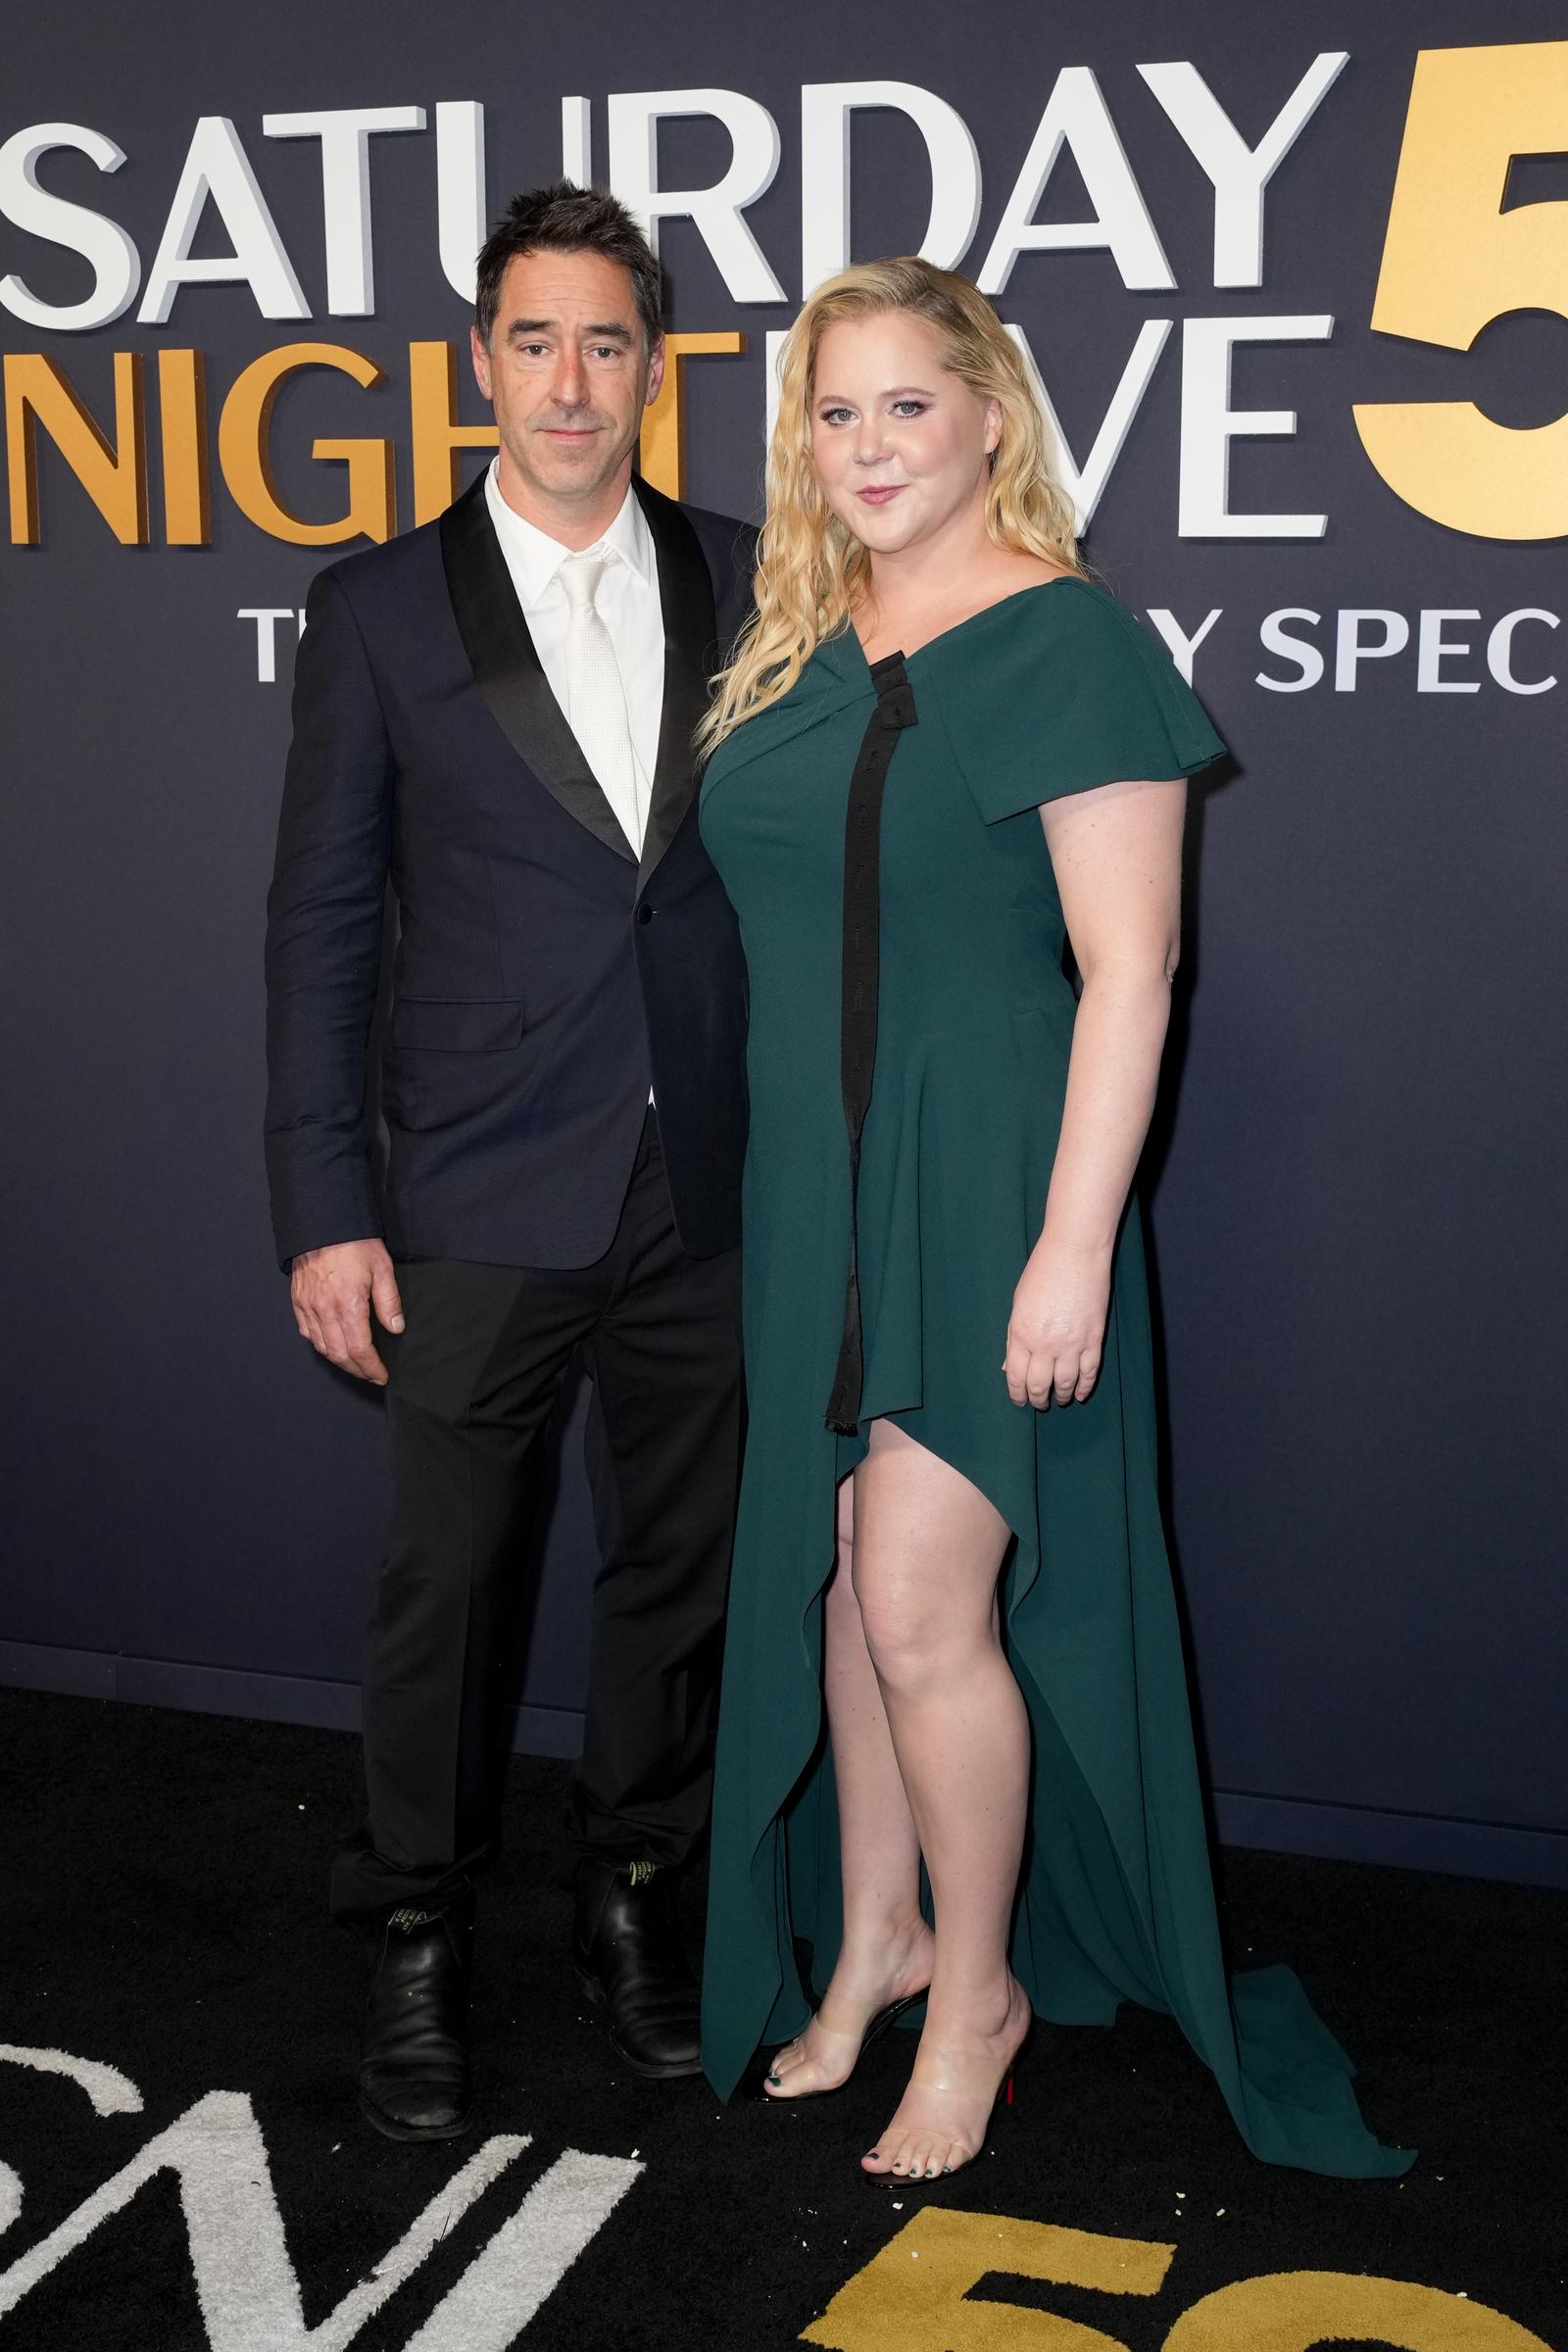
(1353, 1176)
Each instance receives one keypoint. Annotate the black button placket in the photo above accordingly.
(862, 907)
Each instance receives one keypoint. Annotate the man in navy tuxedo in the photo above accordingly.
(494, 714)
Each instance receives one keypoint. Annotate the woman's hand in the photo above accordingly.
(1057, 1331)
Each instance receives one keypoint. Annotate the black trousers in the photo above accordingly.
(473, 1381)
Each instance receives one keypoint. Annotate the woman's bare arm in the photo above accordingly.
(1116, 852)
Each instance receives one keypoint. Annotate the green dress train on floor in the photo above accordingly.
(1055, 689)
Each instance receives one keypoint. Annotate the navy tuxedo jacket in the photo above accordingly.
(543, 976)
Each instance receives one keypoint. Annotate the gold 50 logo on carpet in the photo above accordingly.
(1457, 254)
(919, 2294)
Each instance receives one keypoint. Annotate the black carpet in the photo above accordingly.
(162, 1912)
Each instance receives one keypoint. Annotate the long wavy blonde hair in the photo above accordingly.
(812, 571)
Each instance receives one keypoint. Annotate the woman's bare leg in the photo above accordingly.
(929, 1550)
(887, 1947)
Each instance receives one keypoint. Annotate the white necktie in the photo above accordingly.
(597, 697)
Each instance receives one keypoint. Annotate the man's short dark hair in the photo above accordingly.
(566, 219)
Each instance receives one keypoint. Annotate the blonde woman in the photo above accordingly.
(941, 753)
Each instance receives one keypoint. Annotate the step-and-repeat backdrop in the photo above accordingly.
(1299, 311)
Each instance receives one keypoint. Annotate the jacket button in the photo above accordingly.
(645, 914)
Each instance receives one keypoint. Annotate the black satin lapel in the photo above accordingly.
(508, 673)
(691, 656)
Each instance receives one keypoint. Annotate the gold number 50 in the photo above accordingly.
(1452, 261)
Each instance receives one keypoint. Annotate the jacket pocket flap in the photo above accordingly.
(457, 1025)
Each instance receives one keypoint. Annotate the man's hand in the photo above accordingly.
(332, 1290)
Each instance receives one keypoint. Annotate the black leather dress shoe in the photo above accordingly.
(413, 2057)
(628, 1949)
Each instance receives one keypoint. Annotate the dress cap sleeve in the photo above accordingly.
(1059, 688)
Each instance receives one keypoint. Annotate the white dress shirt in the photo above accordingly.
(627, 601)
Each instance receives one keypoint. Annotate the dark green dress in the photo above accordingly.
(1054, 690)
